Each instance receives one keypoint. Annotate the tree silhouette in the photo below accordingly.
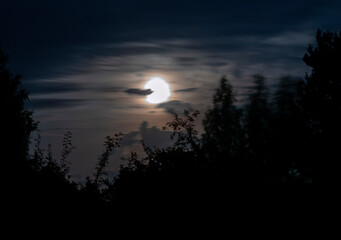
(16, 121)
(36, 183)
(321, 101)
(287, 143)
(223, 136)
(321, 96)
(256, 127)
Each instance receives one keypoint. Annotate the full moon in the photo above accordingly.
(160, 88)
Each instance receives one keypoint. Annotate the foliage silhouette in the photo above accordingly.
(17, 122)
(110, 144)
(96, 191)
(321, 101)
(34, 184)
(222, 122)
(163, 172)
(223, 137)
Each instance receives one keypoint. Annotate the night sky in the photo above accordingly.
(85, 62)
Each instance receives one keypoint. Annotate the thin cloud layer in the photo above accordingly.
(54, 103)
(41, 87)
(186, 90)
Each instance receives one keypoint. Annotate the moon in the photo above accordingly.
(160, 88)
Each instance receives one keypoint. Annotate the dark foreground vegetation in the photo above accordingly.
(277, 149)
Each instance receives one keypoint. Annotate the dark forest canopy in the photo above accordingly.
(289, 138)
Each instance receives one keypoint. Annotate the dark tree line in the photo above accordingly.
(290, 138)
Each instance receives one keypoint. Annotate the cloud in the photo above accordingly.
(38, 87)
(153, 136)
(137, 91)
(108, 89)
(186, 90)
(130, 139)
(186, 61)
(175, 106)
(290, 39)
(49, 87)
(52, 103)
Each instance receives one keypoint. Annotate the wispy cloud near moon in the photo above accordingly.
(186, 90)
(137, 91)
(175, 106)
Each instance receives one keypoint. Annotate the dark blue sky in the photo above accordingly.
(82, 60)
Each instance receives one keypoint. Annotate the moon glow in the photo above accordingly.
(160, 88)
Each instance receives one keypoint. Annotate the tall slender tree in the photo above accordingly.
(223, 134)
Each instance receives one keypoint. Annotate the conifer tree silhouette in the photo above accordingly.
(321, 100)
